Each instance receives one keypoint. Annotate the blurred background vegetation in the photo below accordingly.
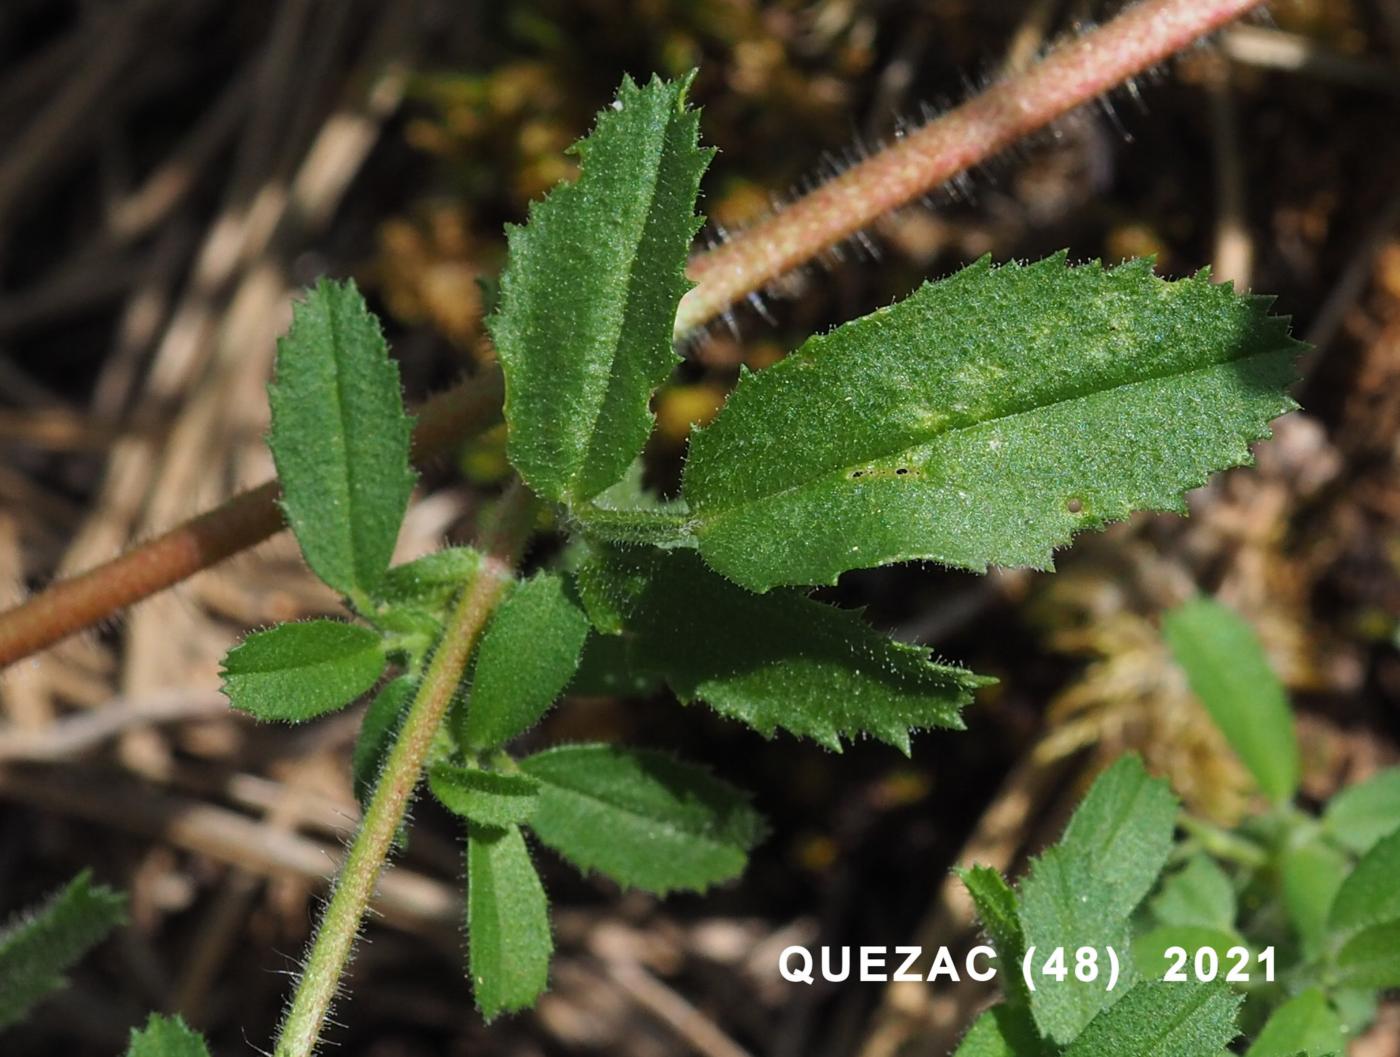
(173, 170)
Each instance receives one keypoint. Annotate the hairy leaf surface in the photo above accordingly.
(527, 656)
(984, 420)
(487, 798)
(1371, 958)
(508, 937)
(641, 817)
(1081, 892)
(340, 439)
(588, 299)
(295, 672)
(774, 660)
(37, 948)
(1370, 894)
(1228, 671)
(1199, 893)
(166, 1037)
(1158, 1019)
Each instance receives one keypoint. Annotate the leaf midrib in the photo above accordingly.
(699, 520)
(670, 827)
(614, 337)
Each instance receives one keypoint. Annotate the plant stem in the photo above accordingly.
(246, 519)
(924, 160)
(1142, 36)
(354, 885)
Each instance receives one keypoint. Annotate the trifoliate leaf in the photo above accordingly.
(589, 296)
(38, 947)
(340, 439)
(487, 798)
(1370, 895)
(1081, 892)
(166, 1037)
(774, 660)
(528, 654)
(642, 818)
(1162, 1020)
(1371, 958)
(1230, 674)
(1200, 893)
(295, 672)
(985, 420)
(508, 938)
(378, 730)
(1361, 815)
(1303, 1024)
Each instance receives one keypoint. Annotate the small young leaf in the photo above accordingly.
(488, 798)
(1162, 1020)
(527, 656)
(640, 817)
(1230, 674)
(588, 299)
(1081, 892)
(774, 660)
(1370, 895)
(340, 439)
(1312, 873)
(1371, 958)
(984, 420)
(997, 910)
(166, 1037)
(1198, 894)
(295, 672)
(1361, 815)
(37, 948)
(433, 580)
(378, 730)
(1303, 1024)
(508, 936)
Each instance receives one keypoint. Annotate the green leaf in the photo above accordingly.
(984, 420)
(378, 729)
(340, 439)
(608, 668)
(1081, 892)
(1150, 948)
(774, 660)
(1230, 674)
(1305, 1023)
(295, 672)
(1361, 815)
(640, 817)
(488, 798)
(1370, 895)
(1162, 1020)
(38, 947)
(1371, 958)
(166, 1037)
(527, 656)
(1311, 875)
(996, 909)
(1200, 893)
(433, 580)
(1000, 1032)
(508, 938)
(589, 296)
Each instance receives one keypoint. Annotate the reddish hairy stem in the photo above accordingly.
(241, 522)
(1075, 74)
(985, 125)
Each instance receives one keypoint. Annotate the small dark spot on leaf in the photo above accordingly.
(857, 473)
(1075, 506)
(902, 471)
